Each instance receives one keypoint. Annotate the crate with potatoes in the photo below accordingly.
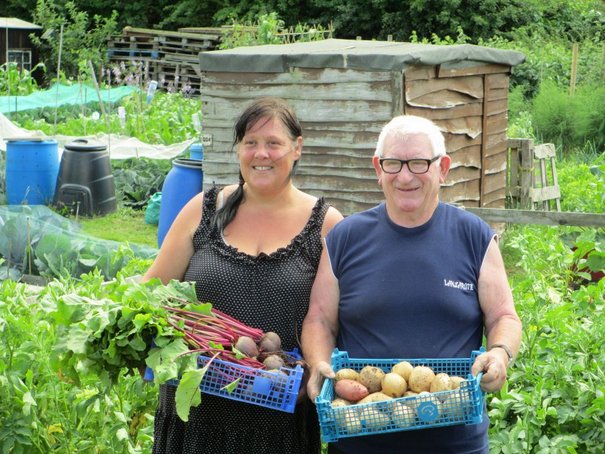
(372, 396)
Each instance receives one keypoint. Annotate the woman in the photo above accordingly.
(252, 250)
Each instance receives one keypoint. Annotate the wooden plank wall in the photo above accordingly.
(471, 107)
(342, 112)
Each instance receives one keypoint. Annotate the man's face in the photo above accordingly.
(410, 195)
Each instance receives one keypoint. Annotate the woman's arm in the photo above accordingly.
(177, 247)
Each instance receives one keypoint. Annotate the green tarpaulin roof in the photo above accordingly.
(353, 54)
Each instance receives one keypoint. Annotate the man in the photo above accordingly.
(412, 278)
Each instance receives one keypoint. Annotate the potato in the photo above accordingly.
(352, 424)
(404, 369)
(340, 402)
(455, 381)
(441, 382)
(457, 405)
(374, 418)
(421, 378)
(428, 407)
(350, 390)
(403, 415)
(371, 377)
(374, 397)
(346, 417)
(348, 374)
(394, 385)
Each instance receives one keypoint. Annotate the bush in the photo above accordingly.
(570, 120)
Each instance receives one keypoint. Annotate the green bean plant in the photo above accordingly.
(18, 82)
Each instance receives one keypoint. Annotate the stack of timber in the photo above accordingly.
(171, 57)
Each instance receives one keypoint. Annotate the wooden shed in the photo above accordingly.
(15, 43)
(345, 91)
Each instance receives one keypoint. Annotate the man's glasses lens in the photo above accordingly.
(417, 166)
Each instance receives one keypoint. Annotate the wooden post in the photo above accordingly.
(527, 173)
(575, 50)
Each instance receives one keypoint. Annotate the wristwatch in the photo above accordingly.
(508, 351)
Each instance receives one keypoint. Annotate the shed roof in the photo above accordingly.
(13, 23)
(354, 54)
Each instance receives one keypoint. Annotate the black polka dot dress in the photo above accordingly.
(270, 292)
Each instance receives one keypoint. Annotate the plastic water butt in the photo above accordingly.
(31, 171)
(183, 182)
(196, 151)
(85, 183)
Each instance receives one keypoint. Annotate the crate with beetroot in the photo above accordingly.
(276, 389)
(373, 396)
(234, 361)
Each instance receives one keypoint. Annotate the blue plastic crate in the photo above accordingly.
(461, 406)
(272, 389)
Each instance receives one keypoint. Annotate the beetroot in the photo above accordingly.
(273, 362)
(247, 346)
(270, 342)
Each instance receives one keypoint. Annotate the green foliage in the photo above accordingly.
(37, 241)
(570, 120)
(554, 400)
(42, 411)
(138, 179)
(572, 21)
(268, 29)
(70, 35)
(582, 182)
(18, 82)
(166, 120)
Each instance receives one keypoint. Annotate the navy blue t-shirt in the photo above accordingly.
(411, 293)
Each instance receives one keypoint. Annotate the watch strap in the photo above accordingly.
(508, 351)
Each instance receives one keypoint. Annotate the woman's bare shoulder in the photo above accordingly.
(333, 217)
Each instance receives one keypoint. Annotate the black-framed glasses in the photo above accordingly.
(416, 166)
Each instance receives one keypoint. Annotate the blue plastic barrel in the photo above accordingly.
(183, 182)
(31, 171)
(196, 151)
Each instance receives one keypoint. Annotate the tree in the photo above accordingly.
(69, 32)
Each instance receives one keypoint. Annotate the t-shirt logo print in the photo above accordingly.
(466, 286)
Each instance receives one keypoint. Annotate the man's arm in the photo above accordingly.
(502, 324)
(320, 326)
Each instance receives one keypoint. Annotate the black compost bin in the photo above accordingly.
(85, 183)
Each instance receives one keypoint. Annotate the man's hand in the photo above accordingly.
(493, 364)
(318, 374)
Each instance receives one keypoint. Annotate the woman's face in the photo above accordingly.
(267, 154)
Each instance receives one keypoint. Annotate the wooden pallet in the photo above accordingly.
(171, 56)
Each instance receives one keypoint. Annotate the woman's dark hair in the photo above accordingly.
(267, 108)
